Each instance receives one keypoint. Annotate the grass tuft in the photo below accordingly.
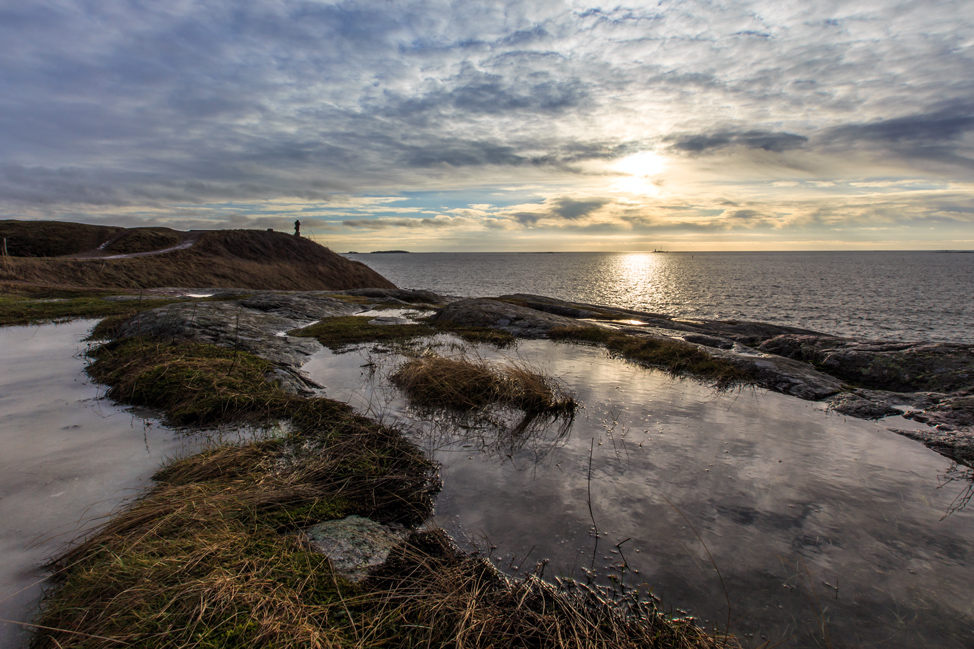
(433, 595)
(462, 384)
(676, 357)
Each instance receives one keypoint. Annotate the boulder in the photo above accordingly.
(354, 545)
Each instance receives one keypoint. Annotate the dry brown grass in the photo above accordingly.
(430, 594)
(208, 558)
(143, 240)
(53, 238)
(464, 383)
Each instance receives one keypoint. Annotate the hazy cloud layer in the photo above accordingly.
(522, 116)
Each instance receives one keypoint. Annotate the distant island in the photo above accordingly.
(389, 252)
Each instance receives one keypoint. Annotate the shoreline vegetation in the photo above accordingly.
(213, 555)
(218, 554)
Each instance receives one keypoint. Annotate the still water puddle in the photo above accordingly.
(69, 457)
(810, 520)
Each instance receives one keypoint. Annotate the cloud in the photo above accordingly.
(223, 111)
(568, 208)
(941, 135)
(436, 223)
(556, 210)
(707, 142)
(939, 127)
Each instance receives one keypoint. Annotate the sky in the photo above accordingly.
(495, 126)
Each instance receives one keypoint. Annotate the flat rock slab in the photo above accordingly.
(785, 375)
(400, 295)
(956, 444)
(901, 367)
(354, 545)
(515, 319)
(745, 332)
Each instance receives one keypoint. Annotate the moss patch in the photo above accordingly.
(480, 335)
(21, 311)
(340, 332)
(351, 299)
(193, 383)
(677, 357)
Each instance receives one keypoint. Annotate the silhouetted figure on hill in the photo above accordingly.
(297, 228)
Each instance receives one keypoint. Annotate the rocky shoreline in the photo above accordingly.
(341, 493)
(931, 383)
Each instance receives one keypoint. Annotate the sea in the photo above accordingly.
(881, 295)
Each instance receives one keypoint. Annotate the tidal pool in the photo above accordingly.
(69, 457)
(824, 530)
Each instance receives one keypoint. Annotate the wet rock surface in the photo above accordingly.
(744, 332)
(958, 445)
(864, 405)
(863, 379)
(780, 374)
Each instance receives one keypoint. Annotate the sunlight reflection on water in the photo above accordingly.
(879, 295)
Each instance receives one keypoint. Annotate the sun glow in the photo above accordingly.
(639, 171)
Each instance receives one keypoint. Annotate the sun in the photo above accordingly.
(638, 172)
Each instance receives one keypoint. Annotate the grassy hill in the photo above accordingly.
(222, 258)
(53, 238)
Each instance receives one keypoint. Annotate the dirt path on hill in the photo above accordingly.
(188, 241)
